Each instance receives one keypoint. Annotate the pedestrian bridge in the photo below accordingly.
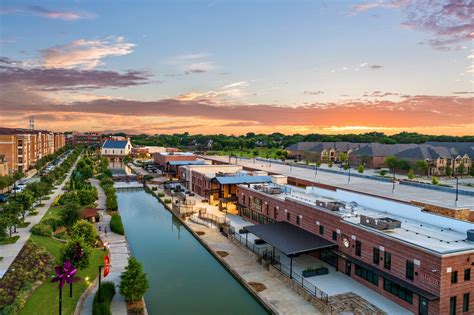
(127, 185)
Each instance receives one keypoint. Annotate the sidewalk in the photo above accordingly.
(118, 254)
(10, 251)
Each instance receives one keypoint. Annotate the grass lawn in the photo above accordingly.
(53, 212)
(249, 153)
(44, 300)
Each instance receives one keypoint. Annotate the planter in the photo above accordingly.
(259, 242)
(309, 273)
(322, 271)
(243, 231)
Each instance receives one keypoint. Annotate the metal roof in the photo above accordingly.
(242, 179)
(289, 239)
(178, 163)
(115, 144)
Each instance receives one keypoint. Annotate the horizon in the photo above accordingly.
(233, 67)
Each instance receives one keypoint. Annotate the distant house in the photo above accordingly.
(116, 150)
(322, 151)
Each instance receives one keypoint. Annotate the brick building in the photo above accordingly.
(89, 139)
(419, 260)
(163, 159)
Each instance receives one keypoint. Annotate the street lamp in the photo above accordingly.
(457, 186)
(349, 178)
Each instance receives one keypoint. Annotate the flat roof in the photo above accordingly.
(440, 235)
(192, 162)
(288, 238)
(242, 179)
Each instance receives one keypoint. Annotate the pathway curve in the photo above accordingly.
(118, 253)
(10, 251)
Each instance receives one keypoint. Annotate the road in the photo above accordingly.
(384, 189)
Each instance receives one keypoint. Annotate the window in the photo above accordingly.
(410, 270)
(454, 277)
(298, 220)
(465, 302)
(321, 230)
(452, 305)
(334, 235)
(467, 274)
(243, 200)
(275, 213)
(387, 263)
(397, 290)
(358, 248)
(376, 256)
(267, 209)
(367, 275)
(288, 217)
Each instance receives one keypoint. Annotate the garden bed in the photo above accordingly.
(10, 240)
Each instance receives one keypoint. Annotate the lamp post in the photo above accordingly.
(393, 185)
(64, 274)
(457, 186)
(349, 178)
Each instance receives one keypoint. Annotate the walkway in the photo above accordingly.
(10, 251)
(384, 189)
(118, 254)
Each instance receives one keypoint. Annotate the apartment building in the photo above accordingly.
(88, 139)
(22, 148)
(4, 170)
(419, 260)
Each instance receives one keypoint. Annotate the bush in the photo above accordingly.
(147, 177)
(167, 201)
(42, 229)
(54, 223)
(87, 196)
(116, 225)
(410, 174)
(383, 172)
(435, 180)
(85, 230)
(107, 292)
(360, 169)
(161, 194)
(154, 188)
(77, 251)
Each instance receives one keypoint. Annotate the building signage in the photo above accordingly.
(429, 278)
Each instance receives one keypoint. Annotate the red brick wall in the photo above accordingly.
(425, 278)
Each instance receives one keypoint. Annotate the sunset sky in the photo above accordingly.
(227, 66)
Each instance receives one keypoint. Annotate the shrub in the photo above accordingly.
(86, 230)
(167, 201)
(69, 197)
(147, 177)
(133, 281)
(42, 229)
(54, 223)
(435, 180)
(154, 188)
(410, 174)
(383, 172)
(87, 196)
(107, 292)
(360, 169)
(116, 225)
(77, 252)
(161, 194)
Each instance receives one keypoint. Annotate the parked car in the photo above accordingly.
(3, 197)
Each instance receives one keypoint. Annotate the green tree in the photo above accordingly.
(87, 196)
(85, 230)
(360, 168)
(461, 168)
(77, 251)
(133, 281)
(449, 170)
(392, 162)
(411, 174)
(71, 213)
(25, 200)
(422, 166)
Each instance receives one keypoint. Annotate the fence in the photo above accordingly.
(219, 221)
(263, 252)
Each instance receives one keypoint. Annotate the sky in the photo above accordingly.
(232, 67)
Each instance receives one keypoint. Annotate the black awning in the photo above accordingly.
(410, 286)
(289, 239)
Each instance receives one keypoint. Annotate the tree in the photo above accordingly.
(392, 162)
(71, 213)
(85, 230)
(25, 200)
(77, 252)
(435, 180)
(133, 281)
(422, 166)
(343, 157)
(411, 174)
(87, 196)
(360, 168)
(449, 170)
(461, 168)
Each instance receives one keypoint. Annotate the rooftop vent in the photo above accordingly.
(225, 174)
(470, 235)
(380, 223)
(272, 190)
(332, 205)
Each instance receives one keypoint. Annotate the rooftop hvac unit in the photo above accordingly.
(384, 223)
(272, 190)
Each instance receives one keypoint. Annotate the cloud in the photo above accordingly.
(84, 54)
(313, 92)
(450, 22)
(200, 67)
(375, 67)
(47, 13)
(60, 79)
(358, 67)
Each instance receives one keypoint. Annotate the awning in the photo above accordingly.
(289, 239)
(428, 295)
(242, 179)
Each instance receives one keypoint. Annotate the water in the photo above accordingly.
(184, 278)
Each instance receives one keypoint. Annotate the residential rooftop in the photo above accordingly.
(115, 144)
(409, 224)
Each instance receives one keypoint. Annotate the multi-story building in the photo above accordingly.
(22, 148)
(4, 169)
(419, 260)
(165, 160)
(116, 150)
(89, 139)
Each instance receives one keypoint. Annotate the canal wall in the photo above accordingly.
(277, 297)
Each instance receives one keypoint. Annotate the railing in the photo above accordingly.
(219, 221)
(262, 251)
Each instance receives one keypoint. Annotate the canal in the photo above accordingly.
(184, 277)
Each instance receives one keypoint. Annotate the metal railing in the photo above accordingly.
(262, 251)
(219, 221)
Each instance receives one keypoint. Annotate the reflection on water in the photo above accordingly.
(119, 169)
(184, 277)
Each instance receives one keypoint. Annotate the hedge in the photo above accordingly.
(42, 229)
(107, 292)
(116, 225)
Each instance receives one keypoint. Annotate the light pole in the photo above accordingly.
(349, 178)
(457, 186)
(393, 185)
